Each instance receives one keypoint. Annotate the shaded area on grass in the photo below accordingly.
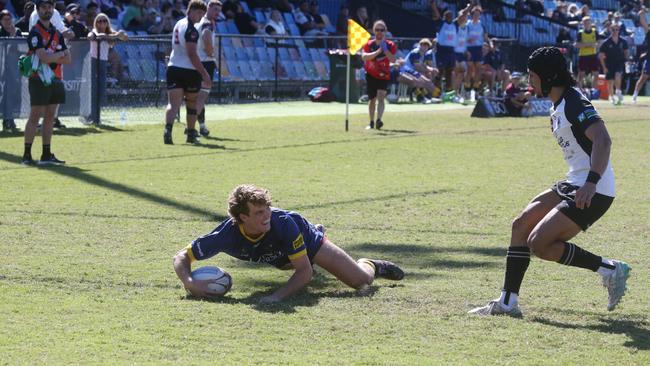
(637, 330)
(84, 176)
(121, 215)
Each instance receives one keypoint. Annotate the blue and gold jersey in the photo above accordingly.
(290, 237)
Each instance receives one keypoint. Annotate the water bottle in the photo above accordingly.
(123, 117)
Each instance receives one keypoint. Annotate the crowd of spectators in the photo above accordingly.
(159, 16)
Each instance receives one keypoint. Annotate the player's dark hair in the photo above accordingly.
(242, 195)
(551, 67)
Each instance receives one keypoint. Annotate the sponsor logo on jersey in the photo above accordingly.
(587, 114)
(298, 242)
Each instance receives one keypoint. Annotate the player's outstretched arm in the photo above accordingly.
(297, 281)
(183, 268)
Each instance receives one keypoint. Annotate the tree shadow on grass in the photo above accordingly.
(83, 176)
(637, 330)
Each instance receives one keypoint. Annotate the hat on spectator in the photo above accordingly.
(425, 41)
(516, 74)
(72, 7)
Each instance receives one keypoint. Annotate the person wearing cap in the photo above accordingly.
(72, 16)
(46, 89)
(558, 214)
(612, 54)
(516, 96)
(416, 71)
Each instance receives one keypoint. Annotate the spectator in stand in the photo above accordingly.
(260, 4)
(643, 21)
(535, 6)
(134, 16)
(167, 21)
(378, 53)
(306, 22)
(342, 21)
(573, 15)
(606, 31)
(494, 70)
(8, 29)
(613, 53)
(361, 17)
(179, 10)
(560, 13)
(245, 23)
(517, 96)
(587, 45)
(72, 16)
(417, 70)
(446, 55)
(101, 37)
(617, 20)
(23, 22)
(275, 25)
(91, 13)
(229, 8)
(315, 13)
(153, 21)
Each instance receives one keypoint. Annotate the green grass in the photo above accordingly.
(86, 275)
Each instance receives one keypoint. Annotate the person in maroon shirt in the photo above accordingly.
(378, 53)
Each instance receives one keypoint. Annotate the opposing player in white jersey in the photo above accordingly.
(206, 54)
(185, 73)
(560, 213)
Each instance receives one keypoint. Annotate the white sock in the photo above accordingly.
(606, 271)
(636, 94)
(514, 299)
(202, 125)
(618, 92)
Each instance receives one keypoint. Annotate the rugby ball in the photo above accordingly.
(220, 280)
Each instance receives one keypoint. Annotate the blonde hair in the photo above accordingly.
(108, 30)
(242, 195)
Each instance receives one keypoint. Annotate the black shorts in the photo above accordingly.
(40, 94)
(612, 70)
(375, 84)
(583, 217)
(209, 66)
(180, 78)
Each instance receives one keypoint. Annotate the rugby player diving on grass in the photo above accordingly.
(257, 232)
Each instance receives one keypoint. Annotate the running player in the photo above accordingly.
(257, 232)
(206, 55)
(185, 73)
(560, 213)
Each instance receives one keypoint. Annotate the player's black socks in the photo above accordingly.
(28, 151)
(517, 261)
(577, 257)
(46, 152)
(169, 126)
(201, 116)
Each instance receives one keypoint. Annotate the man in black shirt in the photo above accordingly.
(613, 53)
(23, 22)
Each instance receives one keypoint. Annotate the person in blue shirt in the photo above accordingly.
(258, 232)
(418, 69)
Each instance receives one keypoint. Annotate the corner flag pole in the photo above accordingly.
(347, 90)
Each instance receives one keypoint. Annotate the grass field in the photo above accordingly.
(86, 274)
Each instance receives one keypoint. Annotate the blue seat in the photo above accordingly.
(284, 54)
(294, 30)
(252, 54)
(288, 18)
(222, 28)
(262, 54)
(290, 69)
(301, 72)
(231, 27)
(241, 54)
(229, 53)
(246, 71)
(233, 67)
(304, 53)
(259, 17)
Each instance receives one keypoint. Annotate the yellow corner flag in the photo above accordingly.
(357, 36)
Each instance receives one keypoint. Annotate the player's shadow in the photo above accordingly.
(90, 130)
(385, 132)
(86, 177)
(216, 138)
(210, 146)
(637, 330)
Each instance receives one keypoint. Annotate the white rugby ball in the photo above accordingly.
(220, 280)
